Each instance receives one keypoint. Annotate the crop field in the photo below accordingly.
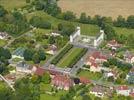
(11, 4)
(111, 8)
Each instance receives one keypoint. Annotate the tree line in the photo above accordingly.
(51, 7)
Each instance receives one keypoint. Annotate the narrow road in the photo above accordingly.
(7, 82)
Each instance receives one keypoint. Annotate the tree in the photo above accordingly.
(5, 53)
(120, 22)
(5, 92)
(130, 21)
(46, 78)
(51, 40)
(110, 32)
(96, 20)
(42, 55)
(2, 11)
(39, 22)
(28, 54)
(67, 29)
(112, 61)
(105, 64)
(69, 15)
(24, 88)
(36, 58)
(110, 79)
(83, 18)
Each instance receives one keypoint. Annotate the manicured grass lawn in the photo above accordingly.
(11, 4)
(69, 57)
(45, 87)
(56, 96)
(85, 28)
(89, 75)
(2, 43)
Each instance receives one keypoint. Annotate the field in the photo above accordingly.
(89, 75)
(124, 31)
(11, 4)
(111, 8)
(68, 58)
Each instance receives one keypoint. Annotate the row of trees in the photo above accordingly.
(61, 54)
(4, 56)
(113, 61)
(35, 56)
(51, 7)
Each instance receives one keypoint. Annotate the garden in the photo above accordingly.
(72, 57)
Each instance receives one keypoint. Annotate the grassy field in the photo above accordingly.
(89, 75)
(111, 8)
(69, 57)
(2, 43)
(53, 97)
(125, 31)
(85, 29)
(11, 4)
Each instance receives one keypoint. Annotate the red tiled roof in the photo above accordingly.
(84, 80)
(98, 55)
(61, 80)
(94, 65)
(123, 87)
(39, 71)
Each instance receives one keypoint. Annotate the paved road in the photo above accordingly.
(49, 60)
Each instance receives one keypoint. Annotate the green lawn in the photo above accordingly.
(53, 97)
(45, 87)
(85, 28)
(2, 43)
(89, 75)
(125, 31)
(69, 57)
(11, 4)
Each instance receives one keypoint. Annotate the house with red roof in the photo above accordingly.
(84, 80)
(94, 60)
(62, 82)
(113, 44)
(39, 71)
(123, 90)
(129, 57)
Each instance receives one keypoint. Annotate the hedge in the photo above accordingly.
(61, 54)
(77, 58)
